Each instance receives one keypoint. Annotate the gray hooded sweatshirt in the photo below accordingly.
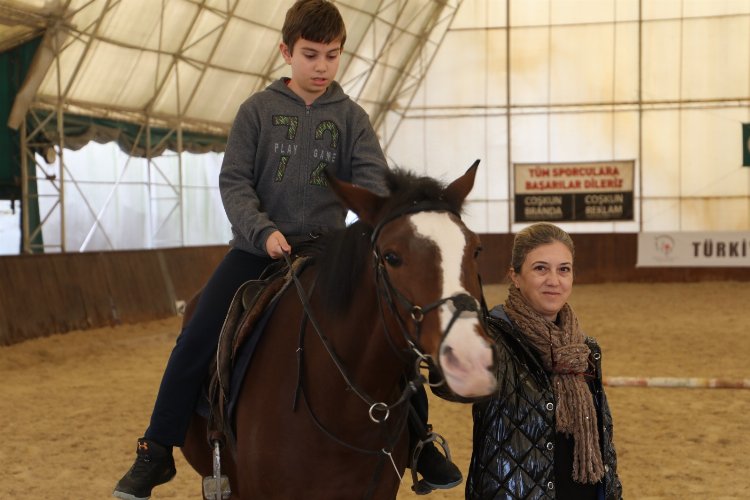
(272, 174)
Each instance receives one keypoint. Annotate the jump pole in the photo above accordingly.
(689, 382)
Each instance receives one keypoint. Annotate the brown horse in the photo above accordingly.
(323, 406)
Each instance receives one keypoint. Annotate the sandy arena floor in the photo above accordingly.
(72, 405)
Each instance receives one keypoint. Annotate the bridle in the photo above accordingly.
(379, 412)
(462, 302)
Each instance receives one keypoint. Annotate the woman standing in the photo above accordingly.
(547, 432)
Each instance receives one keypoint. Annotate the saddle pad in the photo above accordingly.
(241, 363)
(246, 320)
(242, 360)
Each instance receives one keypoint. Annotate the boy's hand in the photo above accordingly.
(276, 244)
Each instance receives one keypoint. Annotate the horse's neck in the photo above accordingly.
(359, 338)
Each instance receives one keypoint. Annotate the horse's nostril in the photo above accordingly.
(449, 356)
(464, 302)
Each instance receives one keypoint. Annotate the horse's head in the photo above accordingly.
(427, 273)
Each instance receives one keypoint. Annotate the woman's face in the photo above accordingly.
(546, 278)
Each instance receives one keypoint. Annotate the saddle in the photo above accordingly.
(248, 312)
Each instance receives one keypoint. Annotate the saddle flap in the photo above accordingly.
(250, 303)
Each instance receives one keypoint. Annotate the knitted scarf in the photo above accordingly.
(565, 355)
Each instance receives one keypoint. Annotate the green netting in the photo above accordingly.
(132, 138)
(14, 64)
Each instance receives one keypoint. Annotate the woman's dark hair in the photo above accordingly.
(315, 20)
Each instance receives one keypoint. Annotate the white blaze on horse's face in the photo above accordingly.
(465, 357)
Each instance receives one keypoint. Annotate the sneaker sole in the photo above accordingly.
(128, 496)
(445, 486)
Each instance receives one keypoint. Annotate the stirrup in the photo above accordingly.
(420, 486)
(216, 487)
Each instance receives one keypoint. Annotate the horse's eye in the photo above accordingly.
(477, 251)
(392, 259)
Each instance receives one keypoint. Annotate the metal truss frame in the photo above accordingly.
(406, 69)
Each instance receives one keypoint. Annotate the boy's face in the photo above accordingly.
(314, 66)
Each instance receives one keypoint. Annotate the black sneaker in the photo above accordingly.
(153, 466)
(436, 470)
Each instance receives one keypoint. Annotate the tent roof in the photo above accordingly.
(192, 62)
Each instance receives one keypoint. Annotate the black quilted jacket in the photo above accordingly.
(514, 431)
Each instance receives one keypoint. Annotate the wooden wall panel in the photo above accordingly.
(190, 267)
(45, 294)
(604, 258)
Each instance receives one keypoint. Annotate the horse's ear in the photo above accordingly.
(458, 190)
(359, 200)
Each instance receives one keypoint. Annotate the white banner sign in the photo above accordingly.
(694, 249)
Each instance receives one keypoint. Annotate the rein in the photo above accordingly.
(379, 411)
(374, 406)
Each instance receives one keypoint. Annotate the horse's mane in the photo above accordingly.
(346, 253)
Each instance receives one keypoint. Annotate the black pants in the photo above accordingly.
(191, 357)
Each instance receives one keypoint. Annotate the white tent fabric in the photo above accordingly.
(194, 62)
(665, 83)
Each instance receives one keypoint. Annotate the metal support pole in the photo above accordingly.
(25, 239)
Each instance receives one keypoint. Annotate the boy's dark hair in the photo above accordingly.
(315, 20)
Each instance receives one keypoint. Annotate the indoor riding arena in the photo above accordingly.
(75, 402)
(626, 123)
